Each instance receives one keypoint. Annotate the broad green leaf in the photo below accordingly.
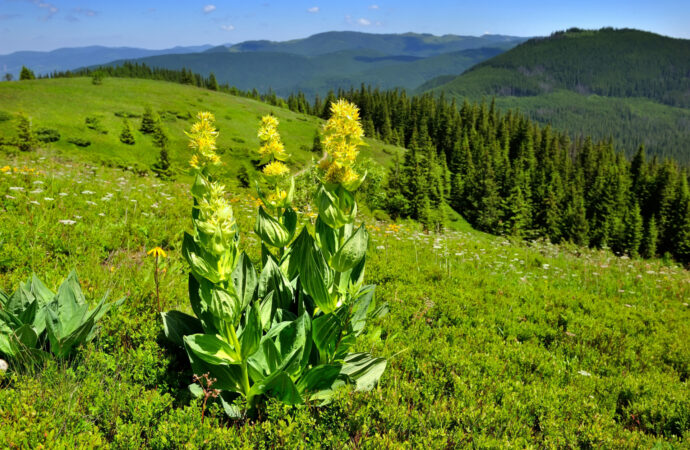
(363, 369)
(273, 280)
(318, 378)
(315, 275)
(211, 349)
(201, 187)
(327, 238)
(279, 386)
(336, 208)
(290, 221)
(270, 230)
(223, 304)
(228, 377)
(201, 265)
(200, 307)
(245, 279)
(362, 305)
(40, 291)
(352, 251)
(26, 336)
(177, 325)
(251, 334)
(327, 330)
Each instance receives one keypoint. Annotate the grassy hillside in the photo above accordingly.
(490, 343)
(287, 73)
(64, 105)
(628, 84)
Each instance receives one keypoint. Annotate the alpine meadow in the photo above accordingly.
(306, 226)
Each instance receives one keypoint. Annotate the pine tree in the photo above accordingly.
(26, 140)
(316, 146)
(126, 136)
(212, 83)
(148, 121)
(160, 140)
(26, 74)
(633, 230)
(649, 238)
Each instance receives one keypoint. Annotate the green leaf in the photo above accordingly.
(364, 370)
(352, 251)
(201, 308)
(362, 305)
(245, 279)
(318, 378)
(223, 304)
(327, 330)
(251, 334)
(177, 325)
(200, 266)
(327, 238)
(200, 188)
(273, 280)
(290, 221)
(336, 208)
(26, 337)
(315, 275)
(279, 386)
(211, 349)
(270, 230)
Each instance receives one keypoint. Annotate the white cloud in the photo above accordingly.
(374, 7)
(209, 8)
(227, 27)
(364, 22)
(86, 12)
(313, 9)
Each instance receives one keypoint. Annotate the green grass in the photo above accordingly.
(490, 343)
(64, 104)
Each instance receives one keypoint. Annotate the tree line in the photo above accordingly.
(502, 171)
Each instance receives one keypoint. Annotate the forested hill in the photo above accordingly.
(631, 85)
(608, 62)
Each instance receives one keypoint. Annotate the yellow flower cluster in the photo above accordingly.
(272, 148)
(216, 217)
(343, 135)
(21, 170)
(202, 138)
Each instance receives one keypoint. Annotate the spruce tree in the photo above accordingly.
(316, 146)
(126, 136)
(649, 238)
(26, 74)
(212, 83)
(148, 121)
(633, 230)
(160, 140)
(243, 176)
(26, 140)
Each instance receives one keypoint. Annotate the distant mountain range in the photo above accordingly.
(628, 84)
(328, 61)
(71, 58)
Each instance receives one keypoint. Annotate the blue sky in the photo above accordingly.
(50, 24)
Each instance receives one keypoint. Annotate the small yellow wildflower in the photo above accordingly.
(275, 169)
(157, 251)
(6, 169)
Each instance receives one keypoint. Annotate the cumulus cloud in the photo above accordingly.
(209, 8)
(313, 9)
(374, 7)
(49, 7)
(227, 27)
(364, 22)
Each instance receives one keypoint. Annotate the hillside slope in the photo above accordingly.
(64, 104)
(72, 58)
(636, 83)
(286, 73)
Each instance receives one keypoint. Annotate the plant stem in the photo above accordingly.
(155, 278)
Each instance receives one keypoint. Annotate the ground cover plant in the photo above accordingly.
(489, 342)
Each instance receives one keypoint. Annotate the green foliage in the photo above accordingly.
(94, 123)
(26, 74)
(97, 78)
(26, 140)
(243, 176)
(161, 140)
(34, 318)
(126, 135)
(148, 121)
(47, 135)
(79, 142)
(482, 349)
